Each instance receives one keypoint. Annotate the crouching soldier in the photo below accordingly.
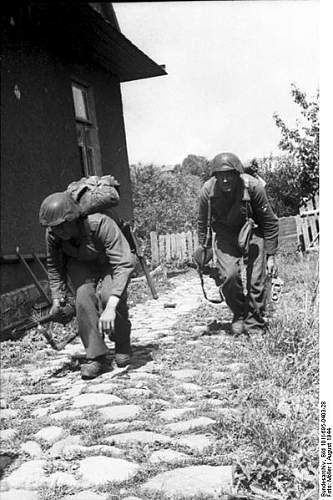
(227, 201)
(93, 254)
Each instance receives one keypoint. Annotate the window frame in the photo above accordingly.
(89, 150)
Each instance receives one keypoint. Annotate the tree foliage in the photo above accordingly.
(302, 142)
(282, 184)
(164, 201)
(194, 165)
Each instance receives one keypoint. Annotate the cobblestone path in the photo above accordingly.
(132, 433)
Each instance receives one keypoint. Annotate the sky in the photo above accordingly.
(230, 67)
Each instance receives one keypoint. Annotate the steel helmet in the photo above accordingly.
(226, 161)
(58, 208)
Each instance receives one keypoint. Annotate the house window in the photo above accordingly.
(87, 138)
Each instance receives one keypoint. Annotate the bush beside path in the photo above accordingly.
(199, 414)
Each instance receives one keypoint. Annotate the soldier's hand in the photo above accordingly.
(107, 319)
(272, 269)
(55, 310)
(62, 313)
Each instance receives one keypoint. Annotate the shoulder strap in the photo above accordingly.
(209, 215)
(246, 194)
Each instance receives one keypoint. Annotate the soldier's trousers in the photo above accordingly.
(93, 286)
(250, 307)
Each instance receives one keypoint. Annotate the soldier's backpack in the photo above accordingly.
(95, 194)
(100, 194)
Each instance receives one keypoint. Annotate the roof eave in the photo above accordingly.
(128, 62)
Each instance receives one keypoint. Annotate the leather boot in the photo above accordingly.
(237, 325)
(93, 367)
(123, 353)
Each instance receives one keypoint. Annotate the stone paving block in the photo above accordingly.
(132, 498)
(99, 470)
(8, 413)
(168, 457)
(33, 449)
(198, 331)
(189, 425)
(225, 413)
(173, 414)
(3, 485)
(146, 437)
(196, 442)
(75, 391)
(116, 372)
(189, 387)
(59, 448)
(30, 475)
(106, 387)
(117, 413)
(34, 398)
(50, 434)
(136, 392)
(119, 427)
(62, 383)
(191, 481)
(143, 376)
(221, 376)
(61, 479)
(171, 339)
(150, 367)
(236, 367)
(20, 495)
(95, 399)
(40, 412)
(7, 434)
(12, 375)
(75, 350)
(185, 374)
(160, 402)
(87, 495)
(65, 415)
(212, 402)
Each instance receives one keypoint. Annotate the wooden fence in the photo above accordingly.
(177, 247)
(307, 223)
(300, 231)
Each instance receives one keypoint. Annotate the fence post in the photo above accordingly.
(189, 244)
(155, 257)
(195, 240)
(161, 247)
(313, 228)
(167, 248)
(173, 245)
(305, 232)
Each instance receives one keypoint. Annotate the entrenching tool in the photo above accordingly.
(40, 316)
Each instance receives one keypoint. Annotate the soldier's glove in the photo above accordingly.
(202, 256)
(62, 310)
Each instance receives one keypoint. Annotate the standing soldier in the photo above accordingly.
(94, 255)
(228, 200)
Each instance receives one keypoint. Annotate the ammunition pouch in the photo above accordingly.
(244, 236)
(202, 256)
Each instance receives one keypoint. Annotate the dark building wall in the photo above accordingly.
(39, 152)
